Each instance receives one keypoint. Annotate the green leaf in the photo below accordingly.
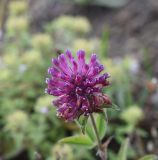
(90, 131)
(122, 155)
(115, 107)
(104, 46)
(81, 122)
(149, 157)
(101, 125)
(81, 140)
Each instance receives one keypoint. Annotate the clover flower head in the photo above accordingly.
(78, 85)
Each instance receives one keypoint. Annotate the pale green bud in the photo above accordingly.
(132, 115)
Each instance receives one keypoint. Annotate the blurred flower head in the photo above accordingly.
(77, 24)
(16, 25)
(82, 25)
(10, 59)
(62, 152)
(17, 7)
(77, 85)
(87, 45)
(42, 41)
(17, 121)
(31, 57)
(132, 115)
(5, 73)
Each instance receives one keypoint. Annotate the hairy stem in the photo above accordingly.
(100, 151)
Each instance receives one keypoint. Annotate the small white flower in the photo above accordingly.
(44, 110)
(22, 68)
(134, 66)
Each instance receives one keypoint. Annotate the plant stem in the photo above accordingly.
(101, 152)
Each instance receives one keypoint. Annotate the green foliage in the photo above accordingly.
(16, 26)
(70, 23)
(122, 155)
(132, 115)
(90, 45)
(147, 62)
(101, 127)
(28, 120)
(42, 42)
(104, 45)
(63, 152)
(82, 121)
(17, 7)
(108, 3)
(67, 152)
(27, 116)
(81, 140)
(72, 31)
(149, 157)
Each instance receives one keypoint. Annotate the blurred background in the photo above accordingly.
(124, 34)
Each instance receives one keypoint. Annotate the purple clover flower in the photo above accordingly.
(77, 85)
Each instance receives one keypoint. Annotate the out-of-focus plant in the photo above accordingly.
(104, 43)
(91, 45)
(67, 152)
(108, 3)
(31, 57)
(124, 150)
(17, 122)
(24, 122)
(66, 29)
(17, 8)
(42, 42)
(149, 157)
(77, 25)
(123, 71)
(132, 115)
(63, 152)
(16, 25)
